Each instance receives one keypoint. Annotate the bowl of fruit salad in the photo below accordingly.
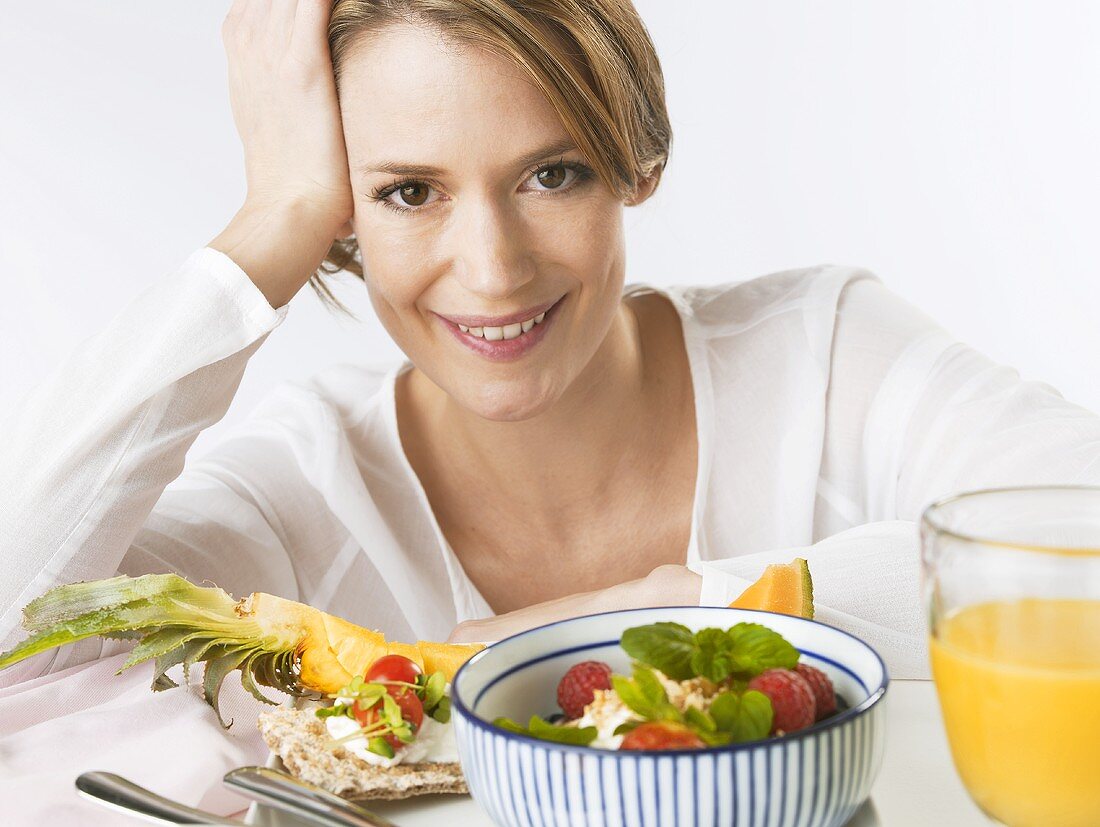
(681, 715)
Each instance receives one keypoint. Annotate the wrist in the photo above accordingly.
(279, 245)
(673, 585)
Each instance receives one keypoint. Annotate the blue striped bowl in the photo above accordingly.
(817, 777)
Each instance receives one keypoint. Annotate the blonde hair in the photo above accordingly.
(593, 59)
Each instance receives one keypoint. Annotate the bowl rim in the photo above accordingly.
(874, 696)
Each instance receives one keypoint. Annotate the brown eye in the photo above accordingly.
(414, 195)
(552, 177)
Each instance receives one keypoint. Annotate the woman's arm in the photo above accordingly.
(912, 416)
(664, 586)
(283, 95)
(89, 451)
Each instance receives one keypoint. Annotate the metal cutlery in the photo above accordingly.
(305, 800)
(120, 794)
(271, 787)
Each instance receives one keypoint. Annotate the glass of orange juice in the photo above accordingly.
(1012, 586)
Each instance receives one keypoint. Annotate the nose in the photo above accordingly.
(492, 253)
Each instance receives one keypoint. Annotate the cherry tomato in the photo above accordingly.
(393, 668)
(661, 735)
(412, 710)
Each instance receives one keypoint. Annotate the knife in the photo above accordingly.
(292, 795)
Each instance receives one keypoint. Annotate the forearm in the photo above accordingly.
(665, 586)
(87, 453)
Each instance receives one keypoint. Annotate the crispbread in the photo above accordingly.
(298, 737)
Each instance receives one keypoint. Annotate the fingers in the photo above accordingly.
(311, 20)
(313, 16)
(252, 17)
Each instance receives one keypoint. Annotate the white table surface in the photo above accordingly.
(916, 787)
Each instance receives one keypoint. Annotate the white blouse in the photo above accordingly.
(829, 413)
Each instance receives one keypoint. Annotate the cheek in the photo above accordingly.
(585, 245)
(397, 273)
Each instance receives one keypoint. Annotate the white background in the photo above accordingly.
(951, 147)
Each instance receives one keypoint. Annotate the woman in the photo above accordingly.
(555, 444)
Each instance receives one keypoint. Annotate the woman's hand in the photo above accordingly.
(664, 586)
(284, 102)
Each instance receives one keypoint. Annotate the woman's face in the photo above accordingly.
(502, 221)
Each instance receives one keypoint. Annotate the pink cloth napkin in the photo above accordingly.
(85, 718)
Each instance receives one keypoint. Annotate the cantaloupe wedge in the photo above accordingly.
(783, 587)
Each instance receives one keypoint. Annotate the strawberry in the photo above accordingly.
(822, 687)
(577, 689)
(791, 696)
(661, 735)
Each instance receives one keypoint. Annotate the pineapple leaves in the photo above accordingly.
(176, 623)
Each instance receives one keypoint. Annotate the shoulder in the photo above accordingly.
(733, 306)
(337, 397)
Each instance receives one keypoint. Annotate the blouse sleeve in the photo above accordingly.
(912, 415)
(88, 453)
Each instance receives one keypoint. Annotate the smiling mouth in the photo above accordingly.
(509, 331)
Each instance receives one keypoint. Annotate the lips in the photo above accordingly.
(500, 321)
(504, 343)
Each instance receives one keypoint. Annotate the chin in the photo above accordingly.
(505, 401)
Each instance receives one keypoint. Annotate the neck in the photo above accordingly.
(565, 476)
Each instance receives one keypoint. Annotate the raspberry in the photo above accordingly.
(577, 689)
(822, 687)
(791, 697)
(661, 735)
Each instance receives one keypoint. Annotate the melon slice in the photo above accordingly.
(783, 587)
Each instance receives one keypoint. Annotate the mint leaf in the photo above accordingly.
(645, 696)
(632, 696)
(746, 717)
(713, 657)
(716, 739)
(650, 685)
(580, 736)
(538, 728)
(699, 720)
(627, 726)
(704, 725)
(510, 725)
(757, 648)
(665, 646)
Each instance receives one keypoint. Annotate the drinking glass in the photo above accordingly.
(1011, 582)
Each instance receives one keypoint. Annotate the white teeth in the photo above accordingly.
(508, 331)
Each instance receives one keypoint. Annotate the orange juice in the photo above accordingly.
(1019, 686)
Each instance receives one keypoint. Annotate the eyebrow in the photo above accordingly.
(558, 147)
